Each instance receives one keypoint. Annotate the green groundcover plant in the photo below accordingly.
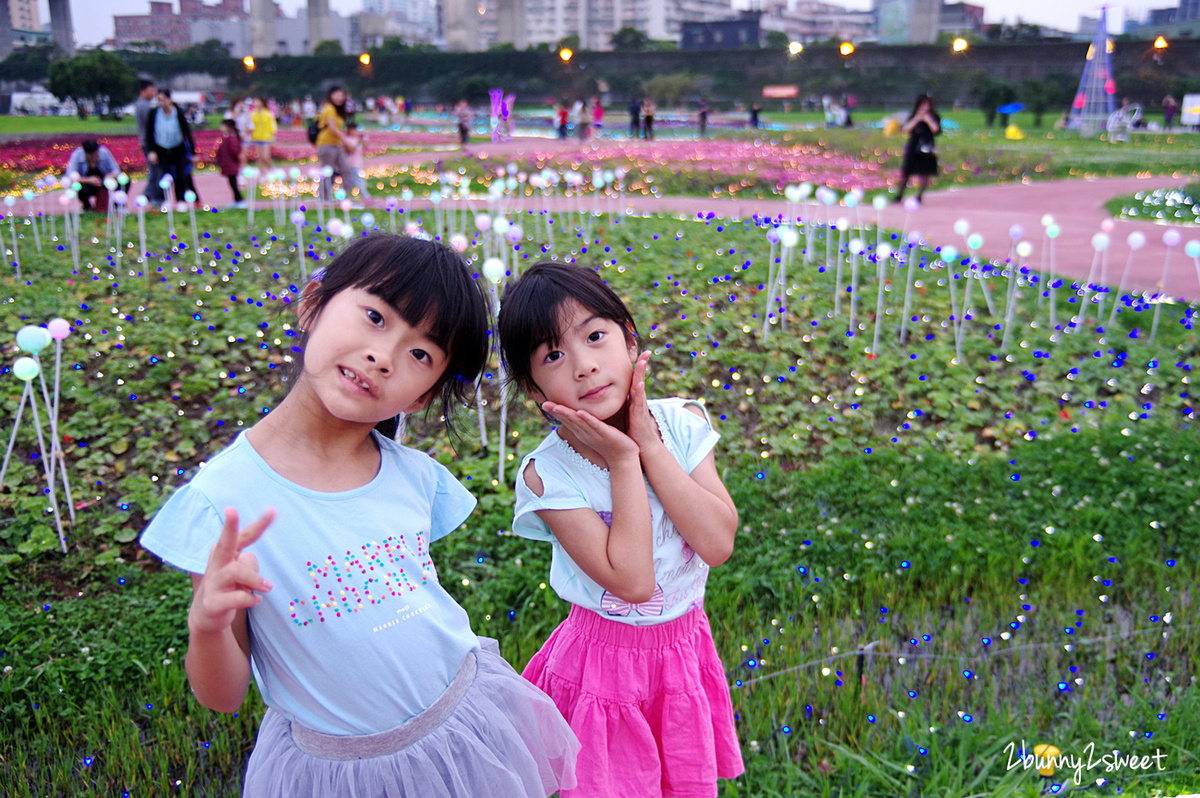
(957, 544)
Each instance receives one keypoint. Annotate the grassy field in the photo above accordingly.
(47, 125)
(942, 559)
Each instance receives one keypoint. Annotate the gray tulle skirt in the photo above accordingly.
(490, 733)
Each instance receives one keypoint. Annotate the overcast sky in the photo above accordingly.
(93, 18)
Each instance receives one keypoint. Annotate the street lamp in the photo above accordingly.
(1160, 43)
(959, 45)
(846, 49)
(565, 54)
(248, 63)
(795, 48)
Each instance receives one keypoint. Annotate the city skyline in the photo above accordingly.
(93, 20)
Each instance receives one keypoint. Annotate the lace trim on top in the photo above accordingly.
(656, 410)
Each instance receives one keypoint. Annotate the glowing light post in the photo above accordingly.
(1052, 233)
(1170, 239)
(1100, 243)
(856, 248)
(167, 184)
(1136, 241)
(120, 198)
(37, 236)
(494, 272)
(909, 240)
(26, 369)
(141, 203)
(842, 225)
(9, 202)
(189, 197)
(949, 256)
(1014, 267)
(252, 174)
(298, 221)
(882, 253)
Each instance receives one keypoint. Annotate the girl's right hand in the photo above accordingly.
(609, 442)
(230, 577)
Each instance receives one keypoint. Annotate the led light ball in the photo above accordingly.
(851, 200)
(110, 183)
(883, 251)
(250, 172)
(58, 328)
(1047, 220)
(27, 194)
(974, 241)
(367, 219)
(458, 242)
(514, 233)
(436, 198)
(347, 230)
(879, 202)
(1053, 230)
(511, 168)
(1172, 238)
(1107, 225)
(391, 204)
(1016, 231)
(792, 193)
(828, 197)
(334, 227)
(120, 197)
(33, 339)
(10, 200)
(949, 254)
(1100, 242)
(856, 246)
(141, 201)
(25, 368)
(298, 218)
(1136, 240)
(65, 199)
(123, 178)
(788, 238)
(296, 174)
(842, 224)
(1192, 248)
(501, 225)
(406, 195)
(189, 196)
(1024, 249)
(911, 204)
(806, 189)
(914, 237)
(166, 182)
(493, 269)
(483, 222)
(773, 235)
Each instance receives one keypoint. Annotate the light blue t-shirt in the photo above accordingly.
(571, 482)
(357, 635)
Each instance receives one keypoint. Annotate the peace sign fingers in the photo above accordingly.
(231, 580)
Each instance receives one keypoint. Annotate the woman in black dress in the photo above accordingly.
(920, 156)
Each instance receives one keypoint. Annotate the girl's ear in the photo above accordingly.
(306, 312)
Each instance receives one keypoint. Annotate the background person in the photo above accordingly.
(90, 164)
(920, 154)
(173, 146)
(262, 131)
(229, 159)
(146, 101)
(331, 138)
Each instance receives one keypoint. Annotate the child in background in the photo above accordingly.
(353, 143)
(628, 493)
(229, 159)
(374, 682)
(262, 131)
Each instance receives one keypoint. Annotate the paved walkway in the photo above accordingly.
(1076, 205)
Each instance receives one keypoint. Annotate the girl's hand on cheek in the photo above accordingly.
(642, 427)
(609, 442)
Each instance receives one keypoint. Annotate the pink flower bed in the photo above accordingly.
(40, 157)
(769, 163)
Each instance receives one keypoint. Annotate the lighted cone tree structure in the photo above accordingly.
(1095, 100)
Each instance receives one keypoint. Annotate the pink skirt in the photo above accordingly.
(650, 705)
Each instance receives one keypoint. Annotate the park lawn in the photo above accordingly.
(49, 125)
(938, 556)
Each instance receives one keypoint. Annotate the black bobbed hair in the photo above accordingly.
(427, 284)
(532, 310)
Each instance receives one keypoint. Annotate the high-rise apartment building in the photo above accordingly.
(24, 15)
(532, 22)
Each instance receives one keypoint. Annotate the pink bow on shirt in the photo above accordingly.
(618, 606)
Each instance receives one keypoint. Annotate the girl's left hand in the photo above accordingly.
(642, 427)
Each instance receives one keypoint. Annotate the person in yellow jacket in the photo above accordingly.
(262, 131)
(332, 137)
